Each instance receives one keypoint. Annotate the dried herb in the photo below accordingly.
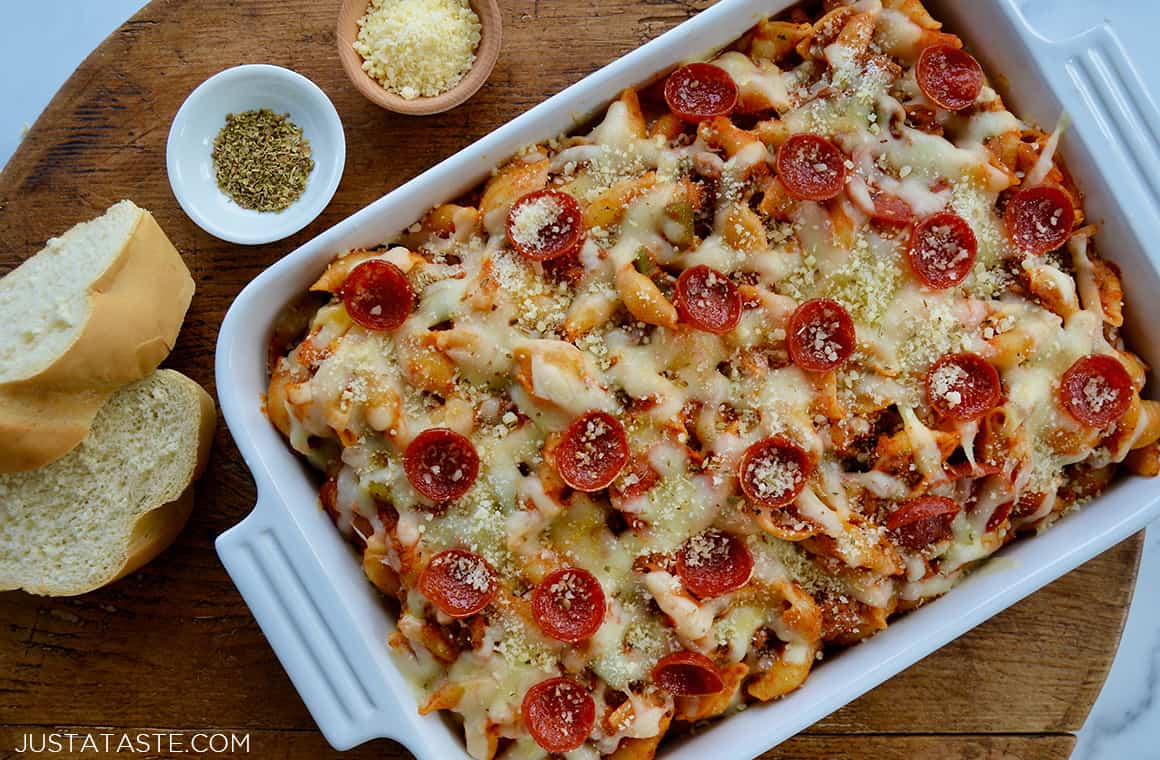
(261, 160)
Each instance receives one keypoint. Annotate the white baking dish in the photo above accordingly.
(304, 583)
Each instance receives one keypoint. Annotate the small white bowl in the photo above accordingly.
(189, 160)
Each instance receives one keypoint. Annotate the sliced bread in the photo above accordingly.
(99, 307)
(115, 501)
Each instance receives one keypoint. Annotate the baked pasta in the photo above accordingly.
(783, 346)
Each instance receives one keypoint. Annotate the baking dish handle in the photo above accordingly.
(285, 586)
(1119, 118)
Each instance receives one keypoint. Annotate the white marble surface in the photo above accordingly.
(1125, 723)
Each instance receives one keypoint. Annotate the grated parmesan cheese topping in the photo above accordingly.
(531, 220)
(772, 476)
(1099, 393)
(940, 249)
(418, 48)
(566, 589)
(465, 570)
(817, 338)
(944, 381)
(706, 549)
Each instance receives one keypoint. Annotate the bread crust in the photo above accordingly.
(136, 308)
(39, 428)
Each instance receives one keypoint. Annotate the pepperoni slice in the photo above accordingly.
(377, 295)
(890, 209)
(714, 563)
(949, 76)
(811, 167)
(441, 464)
(699, 91)
(568, 605)
(1039, 219)
(962, 386)
(1096, 390)
(592, 452)
(707, 300)
(546, 224)
(942, 250)
(921, 522)
(774, 471)
(458, 582)
(687, 674)
(559, 714)
(820, 335)
(637, 480)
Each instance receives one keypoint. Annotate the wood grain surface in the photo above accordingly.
(173, 647)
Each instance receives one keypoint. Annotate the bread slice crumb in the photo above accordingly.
(116, 500)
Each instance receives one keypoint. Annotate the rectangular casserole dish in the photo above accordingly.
(305, 586)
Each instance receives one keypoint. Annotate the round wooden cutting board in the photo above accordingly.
(173, 647)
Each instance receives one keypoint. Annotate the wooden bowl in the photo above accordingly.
(485, 57)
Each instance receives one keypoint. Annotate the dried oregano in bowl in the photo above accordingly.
(262, 160)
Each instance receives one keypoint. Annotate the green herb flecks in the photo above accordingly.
(261, 160)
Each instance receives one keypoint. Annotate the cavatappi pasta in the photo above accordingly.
(782, 347)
